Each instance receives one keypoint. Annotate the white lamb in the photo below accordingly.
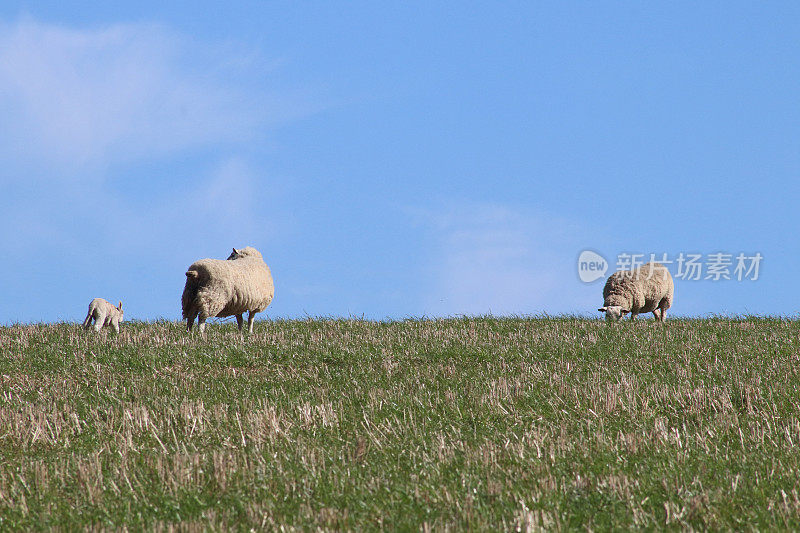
(645, 289)
(103, 314)
(242, 283)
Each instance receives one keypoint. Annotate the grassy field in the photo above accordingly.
(484, 423)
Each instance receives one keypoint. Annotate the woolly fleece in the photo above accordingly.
(632, 290)
(103, 314)
(221, 288)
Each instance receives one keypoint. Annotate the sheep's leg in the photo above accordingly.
(656, 314)
(99, 320)
(663, 314)
(250, 319)
(634, 315)
(190, 320)
(239, 321)
(87, 322)
(201, 324)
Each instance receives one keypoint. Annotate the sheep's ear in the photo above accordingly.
(120, 306)
(603, 309)
(234, 251)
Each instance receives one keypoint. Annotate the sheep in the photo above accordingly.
(220, 288)
(645, 289)
(103, 313)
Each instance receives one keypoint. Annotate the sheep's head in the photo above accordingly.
(614, 312)
(247, 251)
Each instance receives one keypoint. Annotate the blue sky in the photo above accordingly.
(394, 160)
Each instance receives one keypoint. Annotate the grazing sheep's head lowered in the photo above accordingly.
(614, 312)
(646, 289)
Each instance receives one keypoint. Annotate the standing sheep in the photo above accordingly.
(645, 289)
(227, 288)
(103, 314)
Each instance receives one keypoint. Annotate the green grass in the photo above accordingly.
(474, 423)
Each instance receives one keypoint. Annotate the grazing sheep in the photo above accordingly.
(227, 288)
(645, 289)
(103, 314)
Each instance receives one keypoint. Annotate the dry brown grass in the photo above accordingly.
(524, 424)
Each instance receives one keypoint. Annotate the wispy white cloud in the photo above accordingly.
(221, 209)
(78, 105)
(490, 257)
(86, 111)
(78, 97)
